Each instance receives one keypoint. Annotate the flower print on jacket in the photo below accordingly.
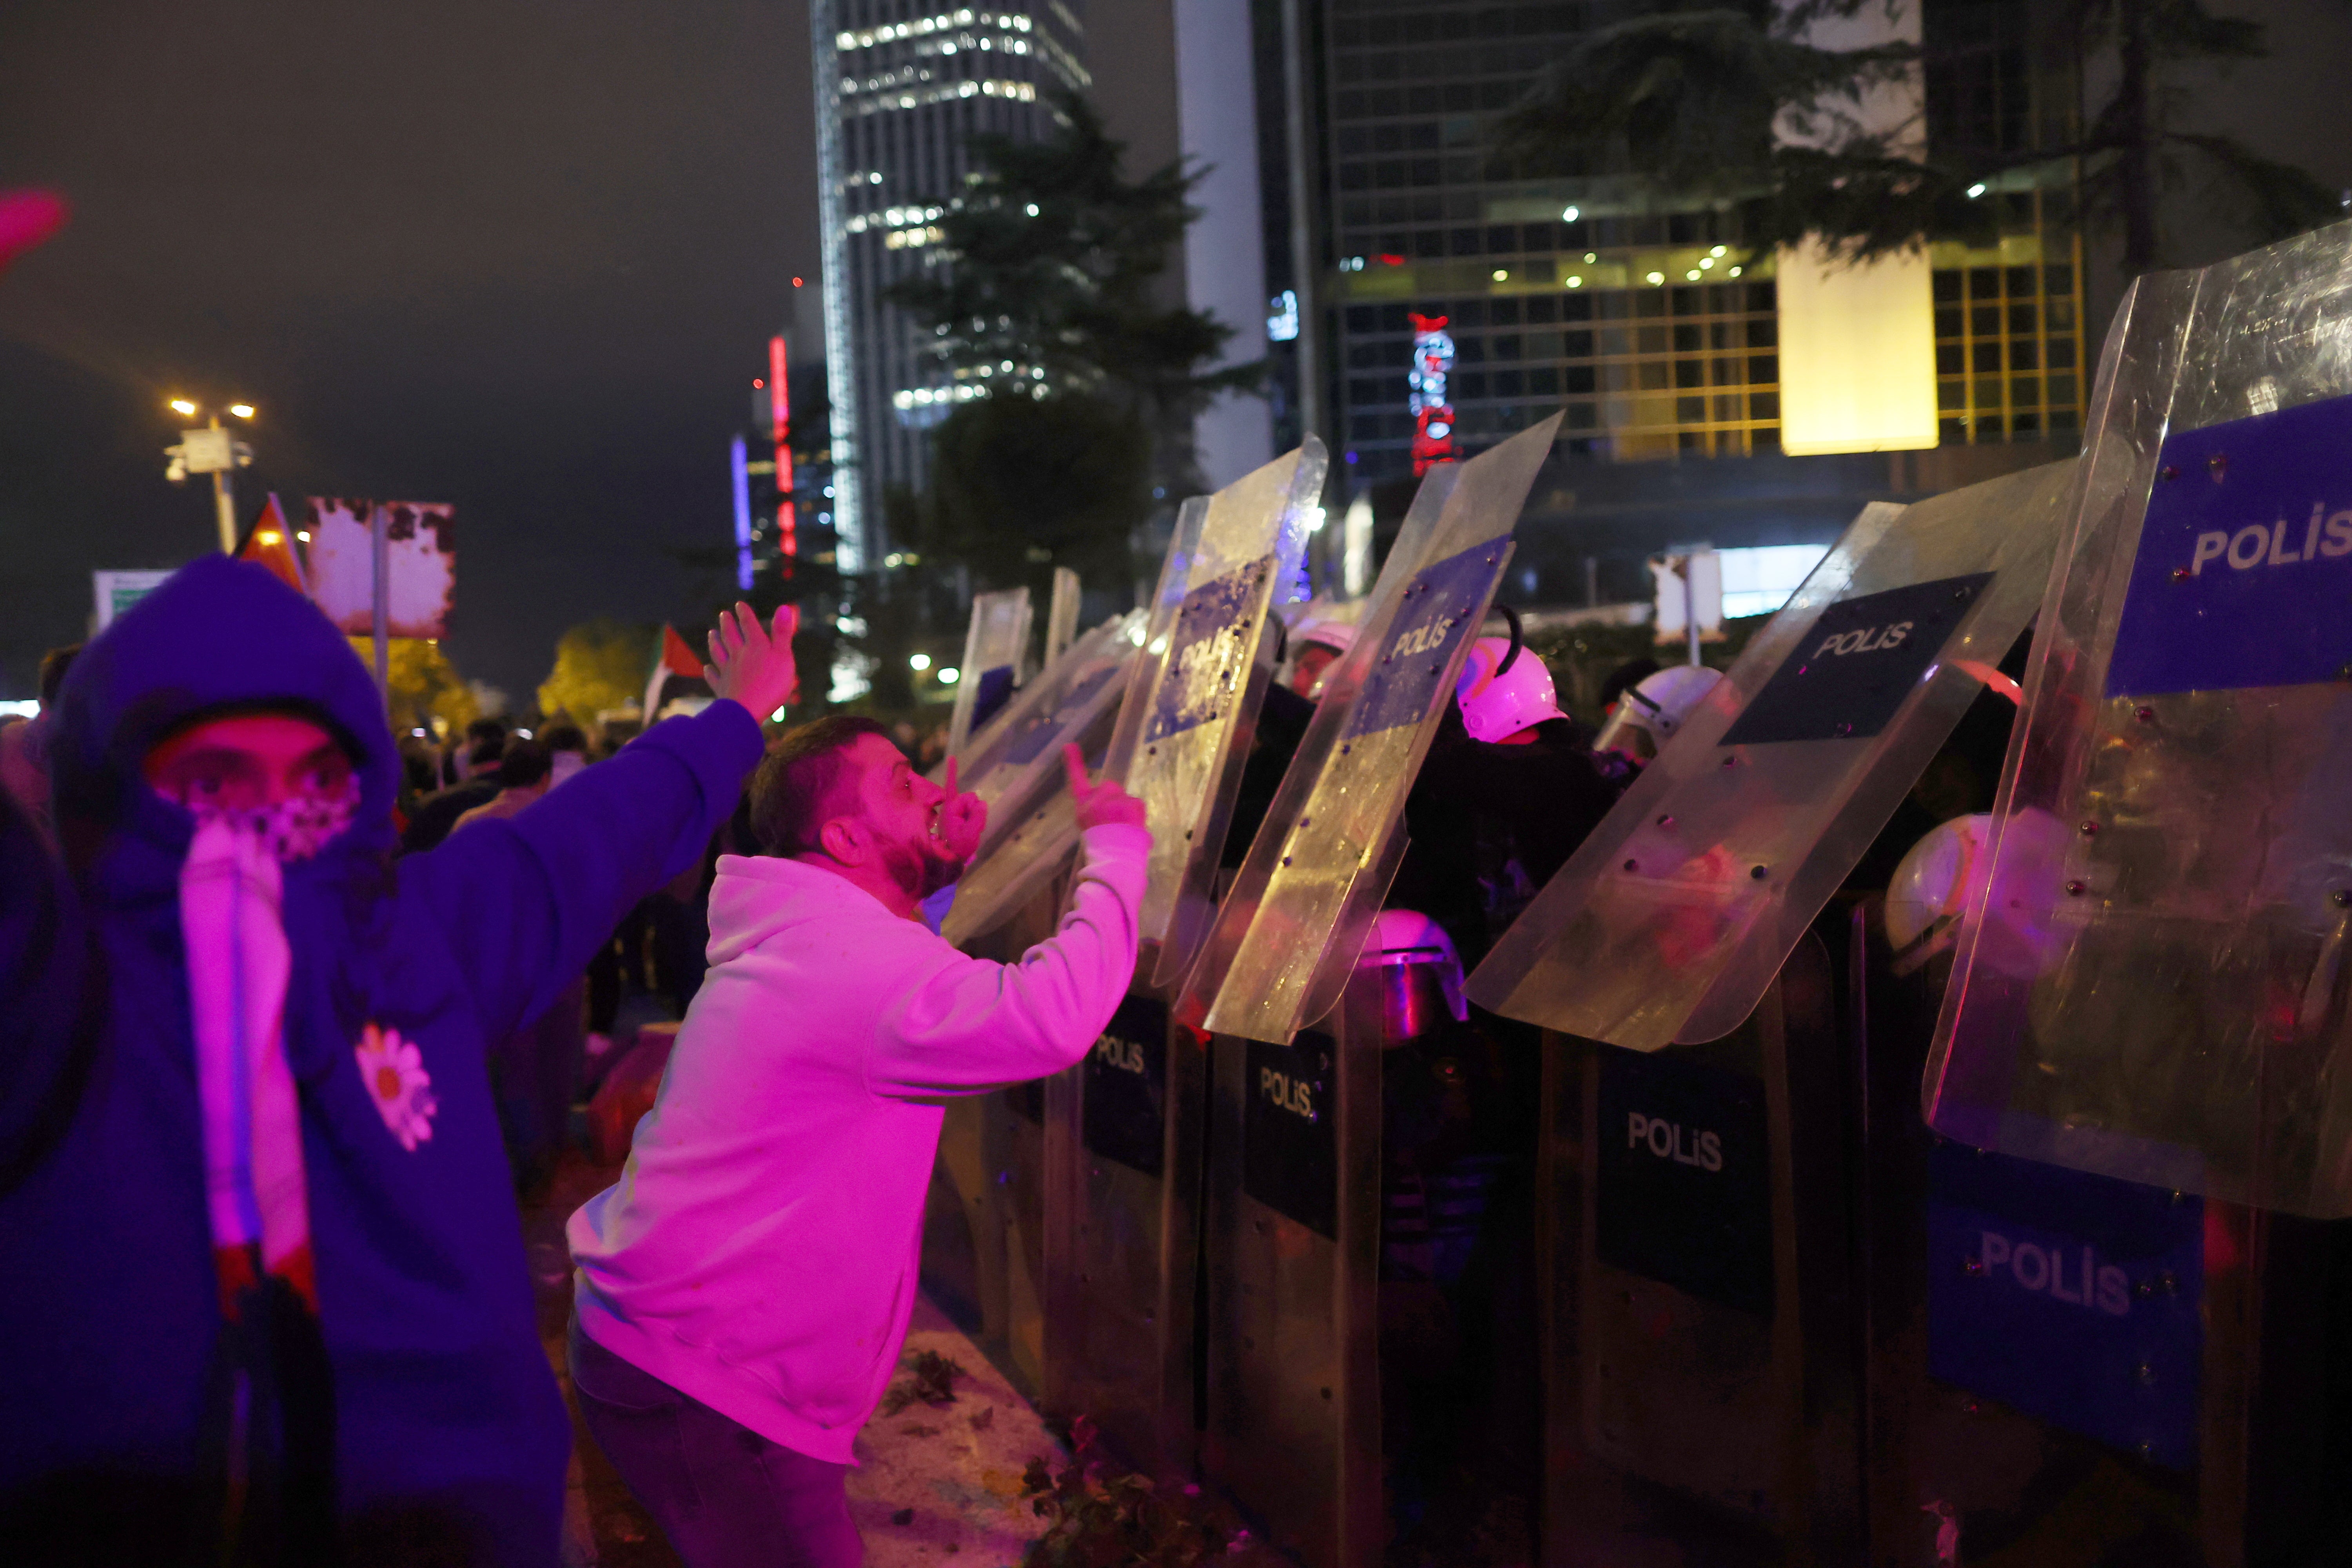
(396, 1081)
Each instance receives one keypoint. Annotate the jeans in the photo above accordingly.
(725, 1496)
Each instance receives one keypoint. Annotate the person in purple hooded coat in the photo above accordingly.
(267, 1298)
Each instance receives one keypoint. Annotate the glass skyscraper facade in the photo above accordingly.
(901, 84)
(1597, 298)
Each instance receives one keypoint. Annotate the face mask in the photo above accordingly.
(232, 923)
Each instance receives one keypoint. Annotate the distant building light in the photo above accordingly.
(1758, 581)
(1501, 274)
(1033, 209)
(1719, 250)
(1735, 272)
(1705, 262)
(919, 662)
(949, 676)
(1282, 327)
(1576, 283)
(1657, 277)
(1692, 274)
(1976, 190)
(1568, 215)
(1592, 256)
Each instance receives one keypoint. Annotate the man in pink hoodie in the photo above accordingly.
(744, 1290)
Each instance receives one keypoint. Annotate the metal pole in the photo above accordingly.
(1306, 253)
(380, 616)
(1690, 605)
(224, 504)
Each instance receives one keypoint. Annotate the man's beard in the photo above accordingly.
(917, 872)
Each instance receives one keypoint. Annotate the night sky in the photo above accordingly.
(521, 257)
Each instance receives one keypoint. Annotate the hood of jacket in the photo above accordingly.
(756, 896)
(219, 636)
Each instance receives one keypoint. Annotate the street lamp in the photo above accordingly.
(211, 450)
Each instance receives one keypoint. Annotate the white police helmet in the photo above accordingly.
(1650, 714)
(1497, 703)
(1933, 888)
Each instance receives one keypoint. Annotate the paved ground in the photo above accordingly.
(935, 1484)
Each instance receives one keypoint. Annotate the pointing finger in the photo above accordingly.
(1074, 766)
(950, 784)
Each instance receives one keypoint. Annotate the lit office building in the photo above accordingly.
(1593, 297)
(899, 86)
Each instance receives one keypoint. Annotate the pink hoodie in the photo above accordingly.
(759, 1250)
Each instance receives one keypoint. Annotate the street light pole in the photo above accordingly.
(212, 450)
(224, 503)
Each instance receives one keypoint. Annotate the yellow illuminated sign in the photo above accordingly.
(1857, 353)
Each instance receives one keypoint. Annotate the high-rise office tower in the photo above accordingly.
(1632, 310)
(899, 86)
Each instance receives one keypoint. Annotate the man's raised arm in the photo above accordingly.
(975, 1024)
(527, 901)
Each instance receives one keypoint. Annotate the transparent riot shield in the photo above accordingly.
(1671, 918)
(1287, 936)
(1029, 850)
(1192, 713)
(1291, 1234)
(1009, 762)
(2152, 986)
(993, 648)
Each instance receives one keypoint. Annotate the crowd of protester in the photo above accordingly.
(288, 1025)
(297, 1009)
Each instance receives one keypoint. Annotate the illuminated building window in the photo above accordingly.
(2009, 336)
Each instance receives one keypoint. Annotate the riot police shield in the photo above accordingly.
(993, 646)
(2031, 1326)
(1289, 933)
(1126, 1129)
(1191, 710)
(1673, 917)
(2152, 986)
(1013, 759)
(1027, 850)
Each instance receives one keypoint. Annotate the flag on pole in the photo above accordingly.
(270, 543)
(677, 658)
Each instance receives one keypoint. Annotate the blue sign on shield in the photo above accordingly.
(1197, 685)
(2245, 567)
(2072, 1296)
(1438, 610)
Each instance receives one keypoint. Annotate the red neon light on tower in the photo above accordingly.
(780, 405)
(1433, 440)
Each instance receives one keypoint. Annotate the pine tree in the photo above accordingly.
(1046, 290)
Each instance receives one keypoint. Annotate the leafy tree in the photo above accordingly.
(1021, 485)
(1044, 289)
(1686, 98)
(599, 665)
(424, 686)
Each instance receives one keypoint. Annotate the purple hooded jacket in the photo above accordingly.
(418, 1406)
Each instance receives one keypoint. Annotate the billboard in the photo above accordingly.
(420, 565)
